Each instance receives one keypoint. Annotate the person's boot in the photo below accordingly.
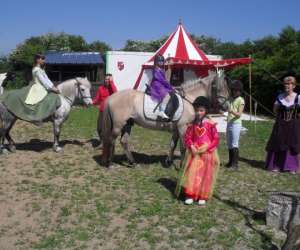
(235, 158)
(229, 164)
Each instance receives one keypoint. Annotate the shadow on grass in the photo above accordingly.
(40, 145)
(170, 184)
(248, 214)
(140, 158)
(253, 163)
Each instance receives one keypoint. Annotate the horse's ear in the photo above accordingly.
(77, 83)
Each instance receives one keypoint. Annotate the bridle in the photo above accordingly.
(80, 94)
(180, 91)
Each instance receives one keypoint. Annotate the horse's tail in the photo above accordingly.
(107, 121)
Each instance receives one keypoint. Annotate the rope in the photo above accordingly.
(263, 106)
(259, 103)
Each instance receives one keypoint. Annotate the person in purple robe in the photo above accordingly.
(160, 89)
(283, 147)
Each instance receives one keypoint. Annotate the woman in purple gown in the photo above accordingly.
(284, 144)
(160, 88)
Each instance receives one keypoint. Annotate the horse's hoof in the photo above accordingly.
(58, 149)
(12, 148)
(132, 164)
(113, 166)
(168, 162)
(4, 151)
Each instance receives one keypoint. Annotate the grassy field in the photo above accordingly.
(69, 201)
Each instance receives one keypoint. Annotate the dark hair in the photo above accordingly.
(201, 101)
(37, 57)
(236, 85)
(159, 59)
(108, 74)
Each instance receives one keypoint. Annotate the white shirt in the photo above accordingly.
(286, 103)
(42, 77)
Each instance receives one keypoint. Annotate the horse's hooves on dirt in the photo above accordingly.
(4, 151)
(133, 165)
(58, 150)
(113, 166)
(12, 149)
(168, 163)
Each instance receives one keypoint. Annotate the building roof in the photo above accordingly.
(74, 58)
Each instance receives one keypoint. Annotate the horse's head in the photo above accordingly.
(220, 93)
(83, 90)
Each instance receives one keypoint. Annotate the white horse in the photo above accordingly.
(2, 78)
(70, 89)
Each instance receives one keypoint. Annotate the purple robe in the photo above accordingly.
(284, 144)
(159, 86)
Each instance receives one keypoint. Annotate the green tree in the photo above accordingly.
(99, 46)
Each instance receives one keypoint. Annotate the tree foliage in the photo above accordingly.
(21, 59)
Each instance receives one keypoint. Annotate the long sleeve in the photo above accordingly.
(97, 98)
(214, 138)
(43, 78)
(188, 136)
(160, 76)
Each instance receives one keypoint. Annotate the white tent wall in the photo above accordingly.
(125, 66)
(146, 79)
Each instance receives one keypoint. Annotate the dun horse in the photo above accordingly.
(70, 89)
(124, 106)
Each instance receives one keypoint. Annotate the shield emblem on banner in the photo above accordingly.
(120, 66)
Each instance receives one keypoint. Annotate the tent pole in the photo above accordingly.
(250, 88)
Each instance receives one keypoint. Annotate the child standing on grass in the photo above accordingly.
(201, 160)
(234, 123)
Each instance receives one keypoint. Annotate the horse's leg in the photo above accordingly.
(173, 144)
(2, 149)
(11, 143)
(56, 133)
(125, 134)
(5, 126)
(182, 146)
(108, 152)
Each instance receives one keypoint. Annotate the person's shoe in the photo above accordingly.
(275, 170)
(188, 201)
(202, 202)
(293, 172)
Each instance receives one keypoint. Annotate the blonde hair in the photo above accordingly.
(290, 79)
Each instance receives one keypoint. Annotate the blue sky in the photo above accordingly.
(116, 21)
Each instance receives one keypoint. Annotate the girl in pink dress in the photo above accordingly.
(201, 160)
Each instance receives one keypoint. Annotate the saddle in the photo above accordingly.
(174, 108)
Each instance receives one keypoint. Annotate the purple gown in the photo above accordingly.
(284, 144)
(159, 86)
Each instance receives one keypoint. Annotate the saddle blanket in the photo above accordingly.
(14, 101)
(150, 105)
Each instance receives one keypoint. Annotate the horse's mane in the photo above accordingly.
(192, 85)
(81, 80)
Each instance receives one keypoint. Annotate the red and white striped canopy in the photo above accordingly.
(181, 51)
(180, 46)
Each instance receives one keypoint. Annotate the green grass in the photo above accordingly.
(74, 203)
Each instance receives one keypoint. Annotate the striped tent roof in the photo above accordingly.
(180, 45)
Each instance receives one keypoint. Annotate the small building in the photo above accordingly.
(61, 66)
